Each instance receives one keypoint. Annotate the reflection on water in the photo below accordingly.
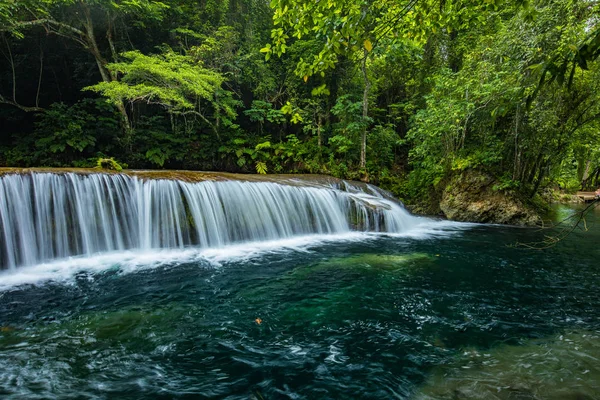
(446, 316)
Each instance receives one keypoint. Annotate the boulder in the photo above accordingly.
(471, 197)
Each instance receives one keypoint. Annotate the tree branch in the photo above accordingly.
(52, 22)
(19, 106)
(575, 221)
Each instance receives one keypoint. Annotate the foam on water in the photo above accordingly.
(129, 261)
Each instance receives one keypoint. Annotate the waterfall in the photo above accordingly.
(46, 216)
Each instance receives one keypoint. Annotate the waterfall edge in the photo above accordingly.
(48, 214)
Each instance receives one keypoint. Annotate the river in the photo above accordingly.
(447, 311)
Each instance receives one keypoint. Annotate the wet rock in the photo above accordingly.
(471, 197)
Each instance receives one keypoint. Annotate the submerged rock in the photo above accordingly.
(471, 197)
(565, 367)
(366, 262)
(333, 288)
(336, 268)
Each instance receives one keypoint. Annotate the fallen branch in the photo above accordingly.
(567, 226)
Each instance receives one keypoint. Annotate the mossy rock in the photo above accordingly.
(470, 197)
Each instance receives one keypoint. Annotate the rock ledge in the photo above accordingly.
(470, 197)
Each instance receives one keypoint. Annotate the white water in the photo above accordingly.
(130, 261)
(46, 217)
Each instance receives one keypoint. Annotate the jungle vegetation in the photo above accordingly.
(403, 93)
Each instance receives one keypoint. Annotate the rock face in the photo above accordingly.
(470, 197)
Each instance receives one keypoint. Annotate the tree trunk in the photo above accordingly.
(534, 168)
(104, 72)
(365, 115)
(541, 176)
(517, 160)
(586, 174)
(14, 101)
(319, 135)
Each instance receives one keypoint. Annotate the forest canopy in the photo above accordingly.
(403, 93)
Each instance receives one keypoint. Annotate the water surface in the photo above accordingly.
(457, 313)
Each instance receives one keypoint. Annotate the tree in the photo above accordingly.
(354, 29)
(478, 117)
(79, 21)
(173, 81)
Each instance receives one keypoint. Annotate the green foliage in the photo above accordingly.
(170, 80)
(61, 130)
(108, 163)
(65, 134)
(477, 118)
(261, 167)
(505, 182)
(262, 112)
(157, 148)
(346, 28)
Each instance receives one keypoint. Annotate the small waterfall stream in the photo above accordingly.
(46, 216)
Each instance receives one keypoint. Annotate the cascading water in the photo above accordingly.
(45, 216)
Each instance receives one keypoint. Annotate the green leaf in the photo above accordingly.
(261, 167)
